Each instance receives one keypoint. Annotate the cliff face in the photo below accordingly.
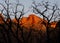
(33, 21)
(36, 22)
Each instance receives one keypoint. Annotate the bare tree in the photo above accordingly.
(8, 21)
(7, 27)
(47, 7)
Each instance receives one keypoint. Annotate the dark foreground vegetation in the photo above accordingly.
(17, 34)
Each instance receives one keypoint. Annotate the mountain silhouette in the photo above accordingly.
(34, 22)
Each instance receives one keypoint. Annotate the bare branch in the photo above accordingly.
(40, 12)
(3, 6)
(54, 10)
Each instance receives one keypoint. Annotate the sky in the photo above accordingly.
(27, 3)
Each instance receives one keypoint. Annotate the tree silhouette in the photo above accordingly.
(8, 25)
(49, 17)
